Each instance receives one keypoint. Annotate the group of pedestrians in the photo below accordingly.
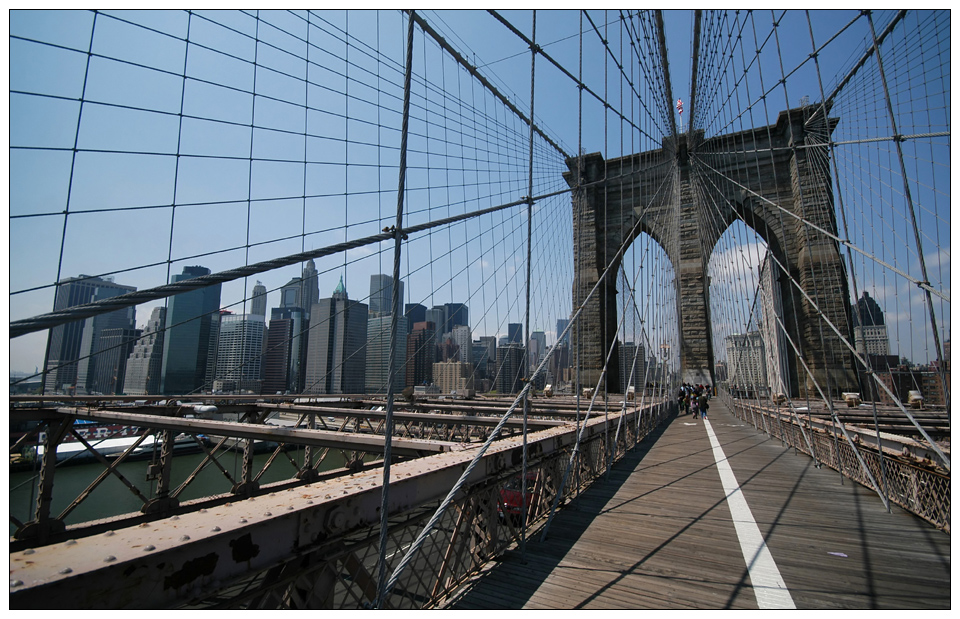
(693, 399)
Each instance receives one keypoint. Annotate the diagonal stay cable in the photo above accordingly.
(860, 359)
(924, 285)
(415, 546)
(52, 319)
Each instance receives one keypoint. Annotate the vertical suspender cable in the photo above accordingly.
(526, 355)
(395, 302)
(579, 200)
(66, 209)
(913, 216)
(853, 274)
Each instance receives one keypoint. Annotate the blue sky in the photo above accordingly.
(240, 195)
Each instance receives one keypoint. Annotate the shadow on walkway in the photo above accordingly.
(574, 519)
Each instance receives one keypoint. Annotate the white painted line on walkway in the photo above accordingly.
(767, 583)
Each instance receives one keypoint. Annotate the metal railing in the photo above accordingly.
(917, 486)
(244, 553)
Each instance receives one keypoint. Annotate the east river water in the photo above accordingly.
(112, 497)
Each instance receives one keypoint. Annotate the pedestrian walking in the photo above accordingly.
(694, 406)
(703, 405)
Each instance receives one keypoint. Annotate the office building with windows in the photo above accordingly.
(337, 345)
(190, 341)
(142, 374)
(69, 365)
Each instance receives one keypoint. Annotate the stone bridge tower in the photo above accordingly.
(776, 179)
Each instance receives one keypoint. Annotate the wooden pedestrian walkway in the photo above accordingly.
(658, 534)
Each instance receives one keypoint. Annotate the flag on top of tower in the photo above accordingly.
(680, 106)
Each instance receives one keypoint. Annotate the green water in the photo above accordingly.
(112, 497)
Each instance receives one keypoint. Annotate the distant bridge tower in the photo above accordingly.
(685, 195)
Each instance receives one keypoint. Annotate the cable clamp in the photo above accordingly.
(393, 230)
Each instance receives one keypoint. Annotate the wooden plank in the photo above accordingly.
(657, 533)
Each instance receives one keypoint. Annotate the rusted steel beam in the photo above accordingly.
(168, 561)
(296, 436)
(447, 419)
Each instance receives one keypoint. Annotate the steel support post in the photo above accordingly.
(42, 526)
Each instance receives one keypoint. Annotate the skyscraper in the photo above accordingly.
(302, 292)
(538, 348)
(414, 312)
(485, 356)
(67, 343)
(509, 368)
(421, 354)
(378, 355)
(239, 353)
(632, 356)
(142, 375)
(746, 363)
(286, 347)
(189, 343)
(437, 316)
(381, 295)
(456, 315)
(336, 352)
(454, 377)
(88, 371)
(869, 330)
(775, 348)
(258, 301)
(448, 316)
(464, 340)
(113, 349)
(515, 333)
(561, 325)
(311, 287)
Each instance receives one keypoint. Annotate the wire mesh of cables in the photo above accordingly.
(873, 120)
(268, 148)
(218, 139)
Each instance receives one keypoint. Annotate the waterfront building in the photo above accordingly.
(239, 352)
(112, 350)
(89, 373)
(67, 343)
(337, 345)
(190, 341)
(142, 375)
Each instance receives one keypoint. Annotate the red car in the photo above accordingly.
(511, 497)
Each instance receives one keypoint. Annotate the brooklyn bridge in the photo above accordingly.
(466, 309)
